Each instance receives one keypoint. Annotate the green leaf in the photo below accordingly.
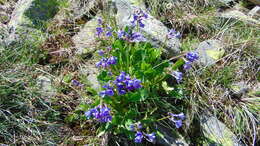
(104, 76)
(159, 134)
(101, 133)
(153, 55)
(141, 95)
(134, 97)
(128, 123)
(178, 64)
(178, 93)
(67, 78)
(118, 44)
(166, 87)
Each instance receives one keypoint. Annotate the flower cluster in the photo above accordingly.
(177, 119)
(191, 57)
(125, 84)
(122, 85)
(140, 135)
(106, 62)
(131, 37)
(76, 83)
(100, 30)
(101, 113)
(107, 92)
(137, 37)
(138, 18)
(173, 34)
(177, 75)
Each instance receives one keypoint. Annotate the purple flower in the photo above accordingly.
(88, 114)
(137, 84)
(102, 94)
(109, 33)
(180, 116)
(177, 119)
(127, 77)
(121, 77)
(100, 113)
(132, 127)
(178, 123)
(104, 62)
(139, 137)
(105, 115)
(76, 83)
(177, 75)
(109, 92)
(139, 125)
(124, 83)
(141, 24)
(120, 85)
(173, 34)
(151, 137)
(137, 37)
(121, 34)
(100, 21)
(98, 64)
(99, 31)
(187, 65)
(129, 85)
(107, 86)
(138, 17)
(101, 52)
(192, 56)
(112, 60)
(121, 92)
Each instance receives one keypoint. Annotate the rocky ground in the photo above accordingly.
(46, 44)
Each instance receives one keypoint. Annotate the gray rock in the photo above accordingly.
(169, 139)
(238, 16)
(82, 7)
(85, 39)
(91, 72)
(45, 85)
(155, 30)
(226, 1)
(239, 89)
(216, 131)
(17, 17)
(255, 12)
(257, 2)
(210, 51)
(30, 17)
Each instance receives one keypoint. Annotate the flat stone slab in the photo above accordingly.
(210, 51)
(85, 39)
(217, 131)
(238, 15)
(91, 72)
(169, 139)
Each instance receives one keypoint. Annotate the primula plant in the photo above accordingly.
(135, 83)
